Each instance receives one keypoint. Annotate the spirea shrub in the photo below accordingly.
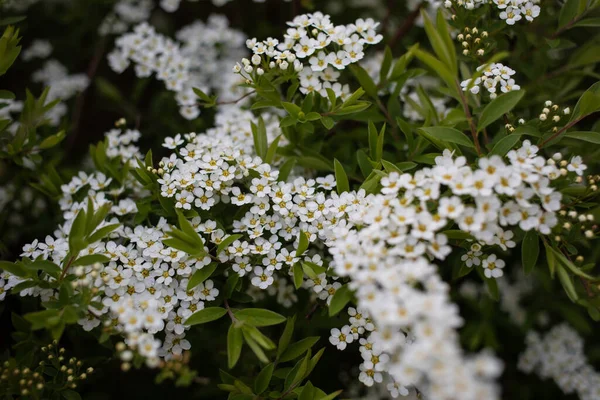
(392, 201)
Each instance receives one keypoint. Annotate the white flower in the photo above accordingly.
(493, 266)
(340, 338)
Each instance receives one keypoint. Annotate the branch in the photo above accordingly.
(220, 103)
(467, 111)
(561, 130)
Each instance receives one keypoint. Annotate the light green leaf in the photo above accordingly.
(302, 243)
(259, 317)
(341, 297)
(201, 275)
(205, 315)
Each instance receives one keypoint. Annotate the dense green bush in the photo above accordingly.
(213, 199)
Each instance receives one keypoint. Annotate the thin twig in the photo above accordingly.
(467, 111)
(220, 103)
(560, 131)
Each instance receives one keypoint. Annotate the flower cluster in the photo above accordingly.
(313, 47)
(124, 14)
(389, 239)
(37, 49)
(559, 355)
(493, 74)
(197, 61)
(511, 11)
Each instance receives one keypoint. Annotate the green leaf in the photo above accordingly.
(298, 348)
(206, 315)
(443, 47)
(91, 259)
(498, 107)
(44, 265)
(307, 392)
(327, 122)
(258, 337)
(292, 109)
(227, 241)
(234, 345)
(13, 268)
(101, 233)
(591, 137)
(6, 95)
(340, 177)
(505, 144)
(550, 259)
(341, 297)
(332, 396)
(254, 346)
(364, 80)
(272, 151)
(302, 243)
(567, 283)
(53, 140)
(76, 241)
(445, 134)
(259, 133)
(263, 379)
(439, 68)
(386, 64)
(286, 336)
(298, 275)
(588, 103)
(285, 169)
(201, 275)
(492, 286)
(530, 251)
(259, 317)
